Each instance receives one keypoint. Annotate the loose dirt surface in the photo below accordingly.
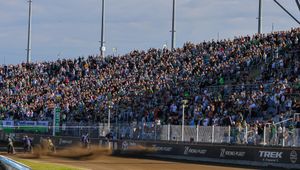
(101, 159)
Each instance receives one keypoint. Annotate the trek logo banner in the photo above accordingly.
(270, 156)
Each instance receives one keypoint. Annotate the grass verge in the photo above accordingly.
(46, 166)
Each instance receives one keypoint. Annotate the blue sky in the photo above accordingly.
(71, 28)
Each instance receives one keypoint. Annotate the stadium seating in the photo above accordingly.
(228, 82)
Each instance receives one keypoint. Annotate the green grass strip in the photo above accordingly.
(46, 166)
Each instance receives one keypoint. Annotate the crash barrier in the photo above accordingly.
(245, 155)
(9, 164)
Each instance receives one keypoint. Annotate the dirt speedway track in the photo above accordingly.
(100, 159)
(119, 163)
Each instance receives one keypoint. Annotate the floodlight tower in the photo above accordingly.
(29, 33)
(102, 47)
(173, 26)
(260, 17)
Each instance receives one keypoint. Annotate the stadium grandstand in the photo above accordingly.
(247, 81)
(226, 101)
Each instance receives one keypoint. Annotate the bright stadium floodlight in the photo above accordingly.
(29, 33)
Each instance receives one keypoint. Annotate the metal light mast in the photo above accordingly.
(260, 17)
(29, 33)
(173, 27)
(102, 47)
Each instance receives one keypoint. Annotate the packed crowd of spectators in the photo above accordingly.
(150, 85)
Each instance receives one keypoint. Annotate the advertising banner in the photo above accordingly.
(266, 155)
(57, 118)
(25, 126)
(7, 123)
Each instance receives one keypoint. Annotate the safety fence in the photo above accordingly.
(279, 134)
(269, 134)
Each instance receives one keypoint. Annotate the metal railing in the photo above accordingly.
(10, 164)
(269, 134)
(278, 134)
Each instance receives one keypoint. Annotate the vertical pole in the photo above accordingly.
(260, 17)
(102, 48)
(173, 26)
(53, 126)
(155, 131)
(264, 135)
(246, 134)
(29, 33)
(283, 136)
(168, 132)
(99, 131)
(213, 134)
(182, 126)
(229, 131)
(296, 137)
(142, 135)
(197, 133)
(108, 124)
(108, 120)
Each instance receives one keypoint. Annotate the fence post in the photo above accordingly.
(79, 127)
(246, 134)
(182, 125)
(295, 137)
(99, 133)
(229, 131)
(213, 134)
(143, 130)
(283, 136)
(168, 129)
(197, 136)
(155, 131)
(264, 135)
(118, 131)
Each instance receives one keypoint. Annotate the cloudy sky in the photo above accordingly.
(71, 28)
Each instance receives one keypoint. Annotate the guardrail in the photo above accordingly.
(10, 164)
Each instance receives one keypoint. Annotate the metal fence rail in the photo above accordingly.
(270, 134)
